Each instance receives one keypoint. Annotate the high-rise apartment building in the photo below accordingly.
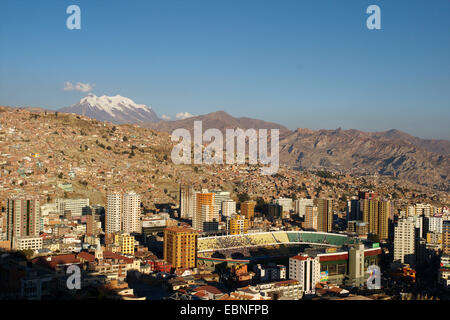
(306, 270)
(353, 210)
(376, 213)
(77, 207)
(228, 208)
(248, 209)
(446, 237)
(237, 225)
(356, 270)
(404, 242)
(123, 213)
(131, 213)
(113, 213)
(93, 225)
(187, 202)
(384, 213)
(300, 205)
(205, 212)
(22, 217)
(311, 218)
(180, 247)
(433, 224)
(285, 203)
(324, 214)
(219, 197)
(420, 209)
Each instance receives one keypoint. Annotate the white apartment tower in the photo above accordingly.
(123, 213)
(404, 242)
(228, 208)
(113, 212)
(131, 213)
(187, 202)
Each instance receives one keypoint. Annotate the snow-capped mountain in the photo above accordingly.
(115, 109)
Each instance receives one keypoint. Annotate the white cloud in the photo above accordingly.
(79, 86)
(164, 117)
(183, 115)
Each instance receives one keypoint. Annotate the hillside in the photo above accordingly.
(391, 153)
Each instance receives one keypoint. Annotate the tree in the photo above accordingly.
(259, 204)
(27, 253)
(243, 197)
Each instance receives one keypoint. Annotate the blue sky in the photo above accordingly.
(308, 64)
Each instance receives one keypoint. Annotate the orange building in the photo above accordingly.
(248, 209)
(180, 247)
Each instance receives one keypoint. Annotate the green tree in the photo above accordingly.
(243, 197)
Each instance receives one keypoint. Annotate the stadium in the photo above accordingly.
(277, 246)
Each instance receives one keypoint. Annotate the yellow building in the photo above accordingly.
(238, 225)
(126, 243)
(311, 214)
(446, 237)
(324, 214)
(376, 213)
(434, 238)
(248, 209)
(180, 247)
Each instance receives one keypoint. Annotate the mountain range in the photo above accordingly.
(393, 153)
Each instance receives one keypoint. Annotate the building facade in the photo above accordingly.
(180, 247)
(306, 270)
(22, 217)
(404, 242)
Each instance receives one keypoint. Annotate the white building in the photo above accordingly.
(75, 206)
(434, 224)
(270, 272)
(187, 202)
(285, 203)
(30, 242)
(300, 206)
(306, 270)
(219, 197)
(418, 224)
(113, 212)
(228, 208)
(131, 213)
(287, 289)
(420, 209)
(404, 242)
(123, 212)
